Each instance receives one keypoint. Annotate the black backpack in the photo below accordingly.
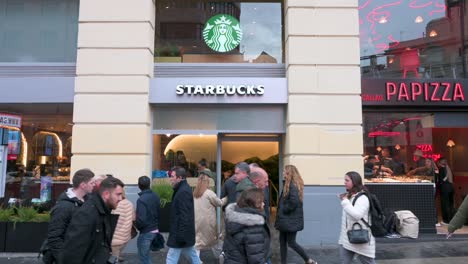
(376, 215)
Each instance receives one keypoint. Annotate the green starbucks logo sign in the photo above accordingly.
(222, 33)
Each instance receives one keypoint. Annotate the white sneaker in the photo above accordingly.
(443, 223)
(438, 225)
(221, 258)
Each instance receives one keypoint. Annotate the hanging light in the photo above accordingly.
(418, 19)
(433, 33)
(397, 147)
(379, 148)
(450, 143)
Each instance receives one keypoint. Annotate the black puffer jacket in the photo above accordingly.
(182, 229)
(247, 236)
(60, 218)
(290, 215)
(89, 235)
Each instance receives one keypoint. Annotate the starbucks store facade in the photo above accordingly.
(172, 82)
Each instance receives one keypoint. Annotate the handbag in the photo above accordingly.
(157, 243)
(358, 235)
(134, 232)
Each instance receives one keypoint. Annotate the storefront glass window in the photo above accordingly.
(413, 39)
(399, 144)
(38, 152)
(38, 31)
(206, 31)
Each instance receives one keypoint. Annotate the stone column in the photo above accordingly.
(324, 117)
(112, 116)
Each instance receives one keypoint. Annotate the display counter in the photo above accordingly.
(418, 197)
(32, 189)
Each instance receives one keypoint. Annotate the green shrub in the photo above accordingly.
(164, 190)
(44, 217)
(5, 214)
(25, 214)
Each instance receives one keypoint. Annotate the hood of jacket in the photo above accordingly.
(238, 218)
(69, 196)
(244, 185)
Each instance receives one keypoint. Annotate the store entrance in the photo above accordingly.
(262, 149)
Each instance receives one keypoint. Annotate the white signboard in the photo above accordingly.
(219, 90)
(10, 120)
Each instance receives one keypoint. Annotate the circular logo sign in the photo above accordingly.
(222, 33)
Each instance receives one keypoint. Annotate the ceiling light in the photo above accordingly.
(418, 19)
(383, 20)
(433, 33)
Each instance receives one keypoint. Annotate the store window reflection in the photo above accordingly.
(184, 29)
(38, 31)
(192, 152)
(413, 39)
(38, 154)
(407, 146)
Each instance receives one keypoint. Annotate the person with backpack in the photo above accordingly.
(61, 214)
(356, 209)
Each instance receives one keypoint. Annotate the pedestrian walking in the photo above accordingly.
(259, 178)
(147, 218)
(445, 185)
(89, 235)
(181, 239)
(354, 210)
(61, 213)
(242, 173)
(123, 230)
(247, 233)
(459, 219)
(205, 201)
(290, 214)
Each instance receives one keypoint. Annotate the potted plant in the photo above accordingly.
(168, 53)
(26, 230)
(5, 215)
(164, 190)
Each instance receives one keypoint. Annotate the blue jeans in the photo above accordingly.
(144, 244)
(173, 255)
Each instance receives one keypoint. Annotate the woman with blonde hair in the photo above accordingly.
(290, 214)
(123, 230)
(205, 203)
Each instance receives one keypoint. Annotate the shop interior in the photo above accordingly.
(187, 150)
(407, 148)
(38, 152)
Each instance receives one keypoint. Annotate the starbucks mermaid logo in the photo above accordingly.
(222, 33)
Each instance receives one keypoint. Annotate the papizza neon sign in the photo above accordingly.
(412, 92)
(425, 91)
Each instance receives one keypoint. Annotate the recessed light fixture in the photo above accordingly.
(383, 20)
(167, 7)
(418, 19)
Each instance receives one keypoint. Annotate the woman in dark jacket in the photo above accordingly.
(247, 235)
(290, 215)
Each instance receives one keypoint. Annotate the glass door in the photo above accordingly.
(262, 149)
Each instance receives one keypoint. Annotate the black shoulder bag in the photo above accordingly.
(357, 235)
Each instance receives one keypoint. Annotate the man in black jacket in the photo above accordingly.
(62, 212)
(181, 239)
(89, 235)
(147, 218)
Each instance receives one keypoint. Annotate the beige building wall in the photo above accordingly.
(324, 132)
(112, 117)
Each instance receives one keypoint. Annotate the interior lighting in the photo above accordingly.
(397, 147)
(25, 149)
(450, 143)
(383, 20)
(418, 19)
(433, 33)
(379, 148)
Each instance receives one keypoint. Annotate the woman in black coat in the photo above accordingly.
(290, 215)
(247, 235)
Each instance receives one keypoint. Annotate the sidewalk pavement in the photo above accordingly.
(429, 251)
